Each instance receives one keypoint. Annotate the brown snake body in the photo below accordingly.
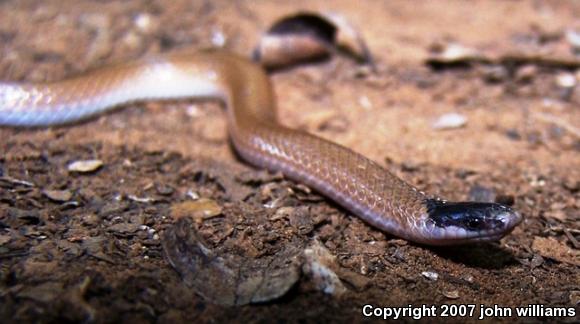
(355, 182)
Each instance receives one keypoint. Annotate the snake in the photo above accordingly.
(356, 183)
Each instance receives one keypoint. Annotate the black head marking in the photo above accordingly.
(471, 216)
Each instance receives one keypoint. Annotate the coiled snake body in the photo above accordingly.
(355, 182)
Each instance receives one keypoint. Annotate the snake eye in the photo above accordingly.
(474, 223)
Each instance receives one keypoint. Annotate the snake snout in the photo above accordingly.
(509, 219)
(460, 222)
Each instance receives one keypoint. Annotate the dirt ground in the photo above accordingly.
(96, 246)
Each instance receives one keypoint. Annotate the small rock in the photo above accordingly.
(125, 228)
(85, 166)
(258, 177)
(469, 278)
(433, 276)
(365, 102)
(145, 23)
(362, 72)
(192, 194)
(90, 220)
(202, 208)
(450, 121)
(526, 73)
(301, 220)
(513, 134)
(319, 265)
(4, 239)
(164, 190)
(132, 40)
(282, 212)
(573, 38)
(410, 166)
(536, 261)
(566, 80)
(144, 200)
(453, 294)
(229, 279)
(575, 297)
(495, 73)
(452, 53)
(218, 38)
(58, 195)
(573, 185)
(113, 208)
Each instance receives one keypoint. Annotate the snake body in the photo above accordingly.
(353, 181)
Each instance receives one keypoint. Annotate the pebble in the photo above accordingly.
(85, 166)
(566, 80)
(450, 121)
(513, 134)
(90, 220)
(201, 208)
(319, 266)
(495, 73)
(453, 294)
(124, 228)
(192, 194)
(365, 102)
(132, 40)
(469, 278)
(573, 38)
(454, 52)
(410, 166)
(164, 190)
(526, 73)
(430, 275)
(218, 38)
(573, 185)
(58, 195)
(140, 199)
(143, 22)
(575, 297)
(4, 239)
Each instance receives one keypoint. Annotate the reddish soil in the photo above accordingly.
(95, 246)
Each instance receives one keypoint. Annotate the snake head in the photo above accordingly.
(465, 222)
